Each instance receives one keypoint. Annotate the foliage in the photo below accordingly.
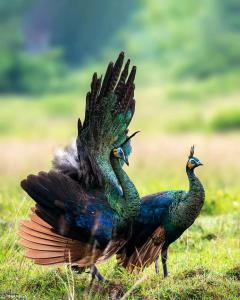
(188, 40)
(225, 120)
(25, 73)
(171, 42)
(22, 71)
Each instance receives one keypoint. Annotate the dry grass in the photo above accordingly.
(216, 150)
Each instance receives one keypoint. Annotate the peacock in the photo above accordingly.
(162, 220)
(86, 204)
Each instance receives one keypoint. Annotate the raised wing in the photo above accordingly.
(110, 107)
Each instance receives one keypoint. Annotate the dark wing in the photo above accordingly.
(143, 255)
(67, 225)
(109, 109)
(63, 204)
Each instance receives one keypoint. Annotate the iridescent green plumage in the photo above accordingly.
(109, 110)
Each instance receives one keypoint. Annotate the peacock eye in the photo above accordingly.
(192, 161)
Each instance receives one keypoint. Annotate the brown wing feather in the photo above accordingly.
(144, 255)
(45, 247)
(112, 248)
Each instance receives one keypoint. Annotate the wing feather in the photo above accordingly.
(144, 255)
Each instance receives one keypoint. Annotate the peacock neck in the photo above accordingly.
(124, 199)
(188, 207)
(196, 190)
(195, 196)
(131, 200)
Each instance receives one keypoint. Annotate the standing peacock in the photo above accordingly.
(162, 220)
(85, 205)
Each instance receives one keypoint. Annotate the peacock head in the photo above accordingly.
(124, 150)
(119, 153)
(193, 161)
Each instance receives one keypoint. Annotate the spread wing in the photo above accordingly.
(62, 203)
(110, 107)
(66, 225)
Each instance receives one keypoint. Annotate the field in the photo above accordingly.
(204, 263)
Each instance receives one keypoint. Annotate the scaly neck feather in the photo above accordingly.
(131, 201)
(125, 202)
(189, 206)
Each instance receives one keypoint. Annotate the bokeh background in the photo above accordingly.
(187, 92)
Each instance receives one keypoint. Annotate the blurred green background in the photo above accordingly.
(187, 92)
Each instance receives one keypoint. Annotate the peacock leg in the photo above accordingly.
(157, 265)
(93, 270)
(164, 262)
(97, 275)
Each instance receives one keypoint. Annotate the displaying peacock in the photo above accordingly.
(86, 204)
(162, 220)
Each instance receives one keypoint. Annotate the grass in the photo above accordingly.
(197, 272)
(204, 263)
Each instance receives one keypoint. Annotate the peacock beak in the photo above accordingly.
(125, 159)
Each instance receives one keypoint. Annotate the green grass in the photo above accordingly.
(203, 106)
(203, 263)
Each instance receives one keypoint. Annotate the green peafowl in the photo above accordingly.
(85, 205)
(162, 220)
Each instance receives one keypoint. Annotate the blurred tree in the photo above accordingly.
(217, 49)
(11, 39)
(191, 38)
(21, 71)
(194, 39)
(81, 28)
